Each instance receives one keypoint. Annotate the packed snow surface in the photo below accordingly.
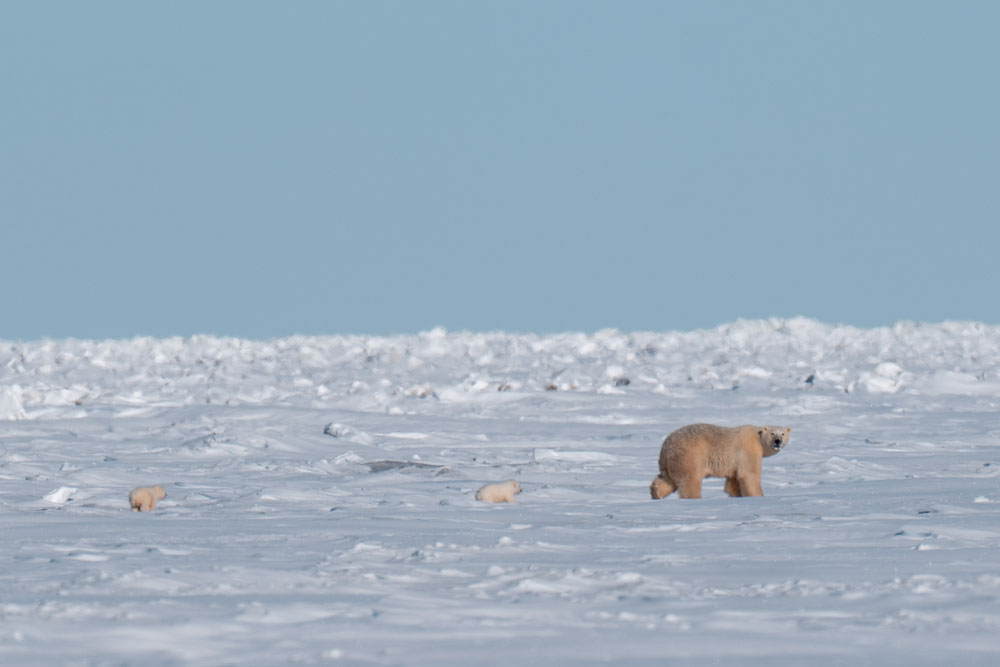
(320, 499)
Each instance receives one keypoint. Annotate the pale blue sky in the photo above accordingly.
(265, 168)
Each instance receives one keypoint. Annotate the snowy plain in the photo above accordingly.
(320, 499)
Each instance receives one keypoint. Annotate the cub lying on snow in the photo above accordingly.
(501, 492)
(143, 498)
(697, 451)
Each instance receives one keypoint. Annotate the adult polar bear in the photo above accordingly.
(694, 452)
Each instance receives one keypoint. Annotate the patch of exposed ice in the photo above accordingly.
(60, 495)
(11, 408)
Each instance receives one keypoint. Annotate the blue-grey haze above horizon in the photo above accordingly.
(259, 169)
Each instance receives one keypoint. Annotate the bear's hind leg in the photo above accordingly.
(733, 487)
(689, 487)
(661, 487)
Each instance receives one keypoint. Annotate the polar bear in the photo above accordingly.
(143, 498)
(696, 451)
(500, 492)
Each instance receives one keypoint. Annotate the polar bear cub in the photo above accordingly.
(143, 498)
(694, 452)
(500, 492)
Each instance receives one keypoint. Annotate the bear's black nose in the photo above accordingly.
(777, 442)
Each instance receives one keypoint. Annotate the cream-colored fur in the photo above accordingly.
(143, 498)
(697, 451)
(500, 492)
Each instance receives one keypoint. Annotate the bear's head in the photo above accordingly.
(159, 492)
(514, 486)
(773, 439)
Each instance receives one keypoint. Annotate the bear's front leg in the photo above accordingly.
(750, 485)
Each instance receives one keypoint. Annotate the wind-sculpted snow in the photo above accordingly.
(320, 499)
(951, 358)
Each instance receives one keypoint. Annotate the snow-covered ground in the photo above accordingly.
(320, 499)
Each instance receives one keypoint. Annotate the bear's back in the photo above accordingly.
(719, 450)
